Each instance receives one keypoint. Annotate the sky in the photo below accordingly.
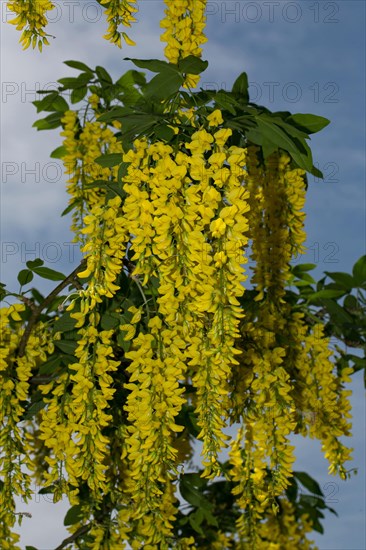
(304, 56)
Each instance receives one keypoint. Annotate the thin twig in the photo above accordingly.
(46, 302)
(84, 529)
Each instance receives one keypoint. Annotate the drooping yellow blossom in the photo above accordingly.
(15, 374)
(82, 148)
(119, 12)
(276, 221)
(173, 207)
(31, 19)
(184, 25)
(74, 433)
(31, 15)
(285, 531)
(215, 118)
(104, 249)
(322, 396)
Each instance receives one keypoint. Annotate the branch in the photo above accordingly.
(46, 302)
(81, 531)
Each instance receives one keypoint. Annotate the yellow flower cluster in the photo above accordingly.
(104, 250)
(31, 16)
(277, 350)
(285, 531)
(185, 22)
(82, 147)
(185, 211)
(322, 396)
(73, 421)
(119, 12)
(277, 197)
(186, 214)
(153, 402)
(15, 372)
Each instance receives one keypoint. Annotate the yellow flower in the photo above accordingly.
(215, 118)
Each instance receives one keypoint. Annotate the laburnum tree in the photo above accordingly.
(164, 340)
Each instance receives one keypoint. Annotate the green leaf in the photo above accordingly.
(163, 85)
(47, 490)
(359, 271)
(326, 293)
(303, 160)
(59, 152)
(109, 160)
(153, 65)
(60, 104)
(33, 410)
(192, 495)
(34, 263)
(45, 104)
(78, 94)
(65, 323)
(103, 75)
(309, 483)
(224, 101)
(303, 267)
(317, 173)
(73, 515)
(3, 291)
(67, 346)
(48, 273)
(292, 490)
(308, 122)
(30, 548)
(164, 132)
(275, 134)
(124, 344)
(50, 366)
(305, 277)
(71, 206)
(210, 518)
(195, 521)
(344, 279)
(109, 321)
(130, 78)
(192, 65)
(116, 113)
(78, 65)
(51, 122)
(351, 303)
(122, 170)
(338, 314)
(25, 276)
(69, 82)
(38, 297)
(240, 87)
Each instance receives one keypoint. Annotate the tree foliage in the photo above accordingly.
(163, 337)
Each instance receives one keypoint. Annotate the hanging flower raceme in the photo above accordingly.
(82, 147)
(31, 19)
(119, 12)
(277, 349)
(285, 531)
(184, 22)
(277, 198)
(75, 435)
(15, 373)
(186, 211)
(324, 400)
(104, 249)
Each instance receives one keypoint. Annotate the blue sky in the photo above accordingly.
(300, 56)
